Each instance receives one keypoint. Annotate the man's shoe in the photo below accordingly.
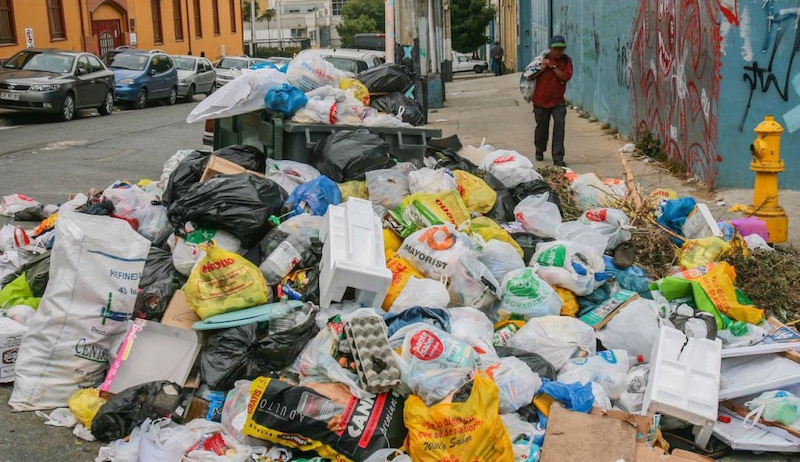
(540, 156)
(559, 163)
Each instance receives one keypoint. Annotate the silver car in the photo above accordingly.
(195, 75)
(230, 67)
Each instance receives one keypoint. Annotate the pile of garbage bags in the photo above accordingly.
(359, 308)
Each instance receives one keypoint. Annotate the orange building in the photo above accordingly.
(213, 27)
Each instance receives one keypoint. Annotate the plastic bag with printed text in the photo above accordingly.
(570, 265)
(426, 209)
(477, 195)
(523, 293)
(310, 72)
(538, 216)
(435, 250)
(608, 222)
(510, 167)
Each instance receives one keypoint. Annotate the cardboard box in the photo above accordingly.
(600, 316)
(700, 223)
(219, 166)
(179, 313)
(11, 333)
(152, 351)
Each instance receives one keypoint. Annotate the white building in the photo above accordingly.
(296, 21)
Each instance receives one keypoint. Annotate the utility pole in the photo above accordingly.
(252, 28)
(389, 45)
(280, 22)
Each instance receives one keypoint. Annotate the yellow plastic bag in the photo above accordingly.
(469, 431)
(488, 229)
(84, 404)
(570, 306)
(402, 271)
(427, 209)
(391, 241)
(224, 281)
(701, 252)
(354, 188)
(477, 195)
(360, 90)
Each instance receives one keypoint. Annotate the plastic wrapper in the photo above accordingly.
(523, 293)
(347, 155)
(245, 352)
(556, 338)
(386, 78)
(239, 204)
(538, 216)
(426, 180)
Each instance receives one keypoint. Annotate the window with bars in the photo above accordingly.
(336, 7)
(158, 35)
(215, 14)
(7, 32)
(178, 15)
(55, 16)
(198, 20)
(233, 16)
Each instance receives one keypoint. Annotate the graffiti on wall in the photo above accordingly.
(674, 58)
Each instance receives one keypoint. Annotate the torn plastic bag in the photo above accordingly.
(191, 168)
(398, 104)
(314, 197)
(534, 361)
(129, 408)
(245, 352)
(239, 204)
(241, 95)
(285, 99)
(472, 284)
(386, 78)
(348, 154)
(535, 188)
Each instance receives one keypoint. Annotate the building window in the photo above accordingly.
(55, 14)
(198, 20)
(215, 7)
(336, 6)
(178, 15)
(158, 36)
(7, 33)
(233, 16)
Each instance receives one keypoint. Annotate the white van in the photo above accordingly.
(348, 60)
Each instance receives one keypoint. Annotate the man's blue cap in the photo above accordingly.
(558, 41)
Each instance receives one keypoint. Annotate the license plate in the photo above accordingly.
(10, 96)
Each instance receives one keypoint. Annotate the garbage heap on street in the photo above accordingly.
(346, 303)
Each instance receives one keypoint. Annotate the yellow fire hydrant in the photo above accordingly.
(767, 164)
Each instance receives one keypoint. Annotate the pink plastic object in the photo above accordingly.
(751, 225)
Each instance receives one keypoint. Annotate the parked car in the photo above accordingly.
(143, 76)
(348, 60)
(195, 75)
(57, 82)
(229, 67)
(463, 63)
(279, 61)
(369, 42)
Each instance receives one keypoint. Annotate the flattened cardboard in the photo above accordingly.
(179, 313)
(577, 437)
(219, 166)
(473, 154)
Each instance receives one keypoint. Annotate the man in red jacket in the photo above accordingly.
(548, 99)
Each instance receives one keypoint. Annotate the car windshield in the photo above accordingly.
(184, 64)
(41, 61)
(346, 64)
(229, 63)
(128, 61)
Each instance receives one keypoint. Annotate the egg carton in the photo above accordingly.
(377, 368)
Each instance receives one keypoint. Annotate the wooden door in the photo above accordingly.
(109, 34)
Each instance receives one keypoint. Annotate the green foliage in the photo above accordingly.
(361, 17)
(287, 52)
(649, 145)
(469, 19)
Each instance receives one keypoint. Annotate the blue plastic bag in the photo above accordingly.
(674, 215)
(314, 197)
(285, 99)
(576, 396)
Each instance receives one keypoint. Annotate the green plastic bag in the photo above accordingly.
(17, 292)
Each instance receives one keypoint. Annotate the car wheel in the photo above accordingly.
(173, 96)
(141, 99)
(67, 108)
(189, 94)
(479, 69)
(108, 104)
(213, 88)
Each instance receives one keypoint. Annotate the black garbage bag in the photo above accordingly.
(239, 204)
(698, 325)
(152, 301)
(503, 210)
(528, 243)
(158, 266)
(447, 158)
(128, 409)
(37, 274)
(34, 213)
(104, 207)
(191, 168)
(395, 102)
(386, 78)
(535, 188)
(246, 352)
(536, 362)
(347, 155)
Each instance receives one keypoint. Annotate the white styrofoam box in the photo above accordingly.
(353, 255)
(684, 380)
(760, 349)
(745, 438)
(772, 371)
(11, 333)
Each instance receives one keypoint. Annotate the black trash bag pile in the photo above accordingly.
(128, 409)
(348, 155)
(239, 204)
(386, 78)
(397, 103)
(158, 283)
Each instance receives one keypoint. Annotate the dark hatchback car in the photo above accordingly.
(56, 82)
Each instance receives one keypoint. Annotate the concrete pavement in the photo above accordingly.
(491, 110)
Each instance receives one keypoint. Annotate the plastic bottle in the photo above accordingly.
(608, 369)
(285, 257)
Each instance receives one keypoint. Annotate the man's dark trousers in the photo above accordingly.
(542, 133)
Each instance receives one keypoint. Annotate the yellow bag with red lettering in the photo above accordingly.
(360, 91)
(700, 252)
(477, 195)
(469, 431)
(426, 209)
(224, 281)
(402, 271)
